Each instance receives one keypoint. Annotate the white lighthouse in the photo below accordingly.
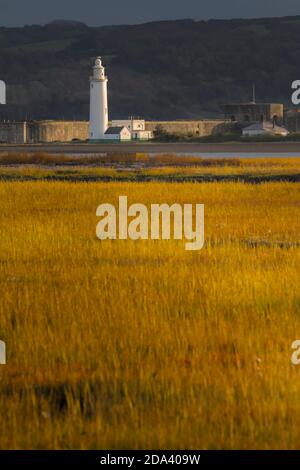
(98, 102)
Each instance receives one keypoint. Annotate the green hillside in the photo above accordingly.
(162, 70)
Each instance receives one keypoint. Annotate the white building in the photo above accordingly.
(131, 124)
(264, 128)
(142, 135)
(137, 127)
(98, 102)
(117, 134)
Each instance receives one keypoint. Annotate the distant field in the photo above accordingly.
(44, 46)
(122, 345)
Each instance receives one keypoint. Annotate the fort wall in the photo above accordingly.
(13, 132)
(201, 128)
(57, 131)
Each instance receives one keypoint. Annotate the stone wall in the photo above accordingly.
(199, 128)
(253, 112)
(57, 131)
(68, 131)
(292, 120)
(43, 131)
(13, 132)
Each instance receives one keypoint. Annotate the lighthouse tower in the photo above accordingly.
(98, 102)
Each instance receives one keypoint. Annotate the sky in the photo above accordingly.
(108, 12)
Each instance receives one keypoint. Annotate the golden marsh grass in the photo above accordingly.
(143, 167)
(123, 344)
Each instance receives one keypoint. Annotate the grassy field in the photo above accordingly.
(145, 168)
(123, 344)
